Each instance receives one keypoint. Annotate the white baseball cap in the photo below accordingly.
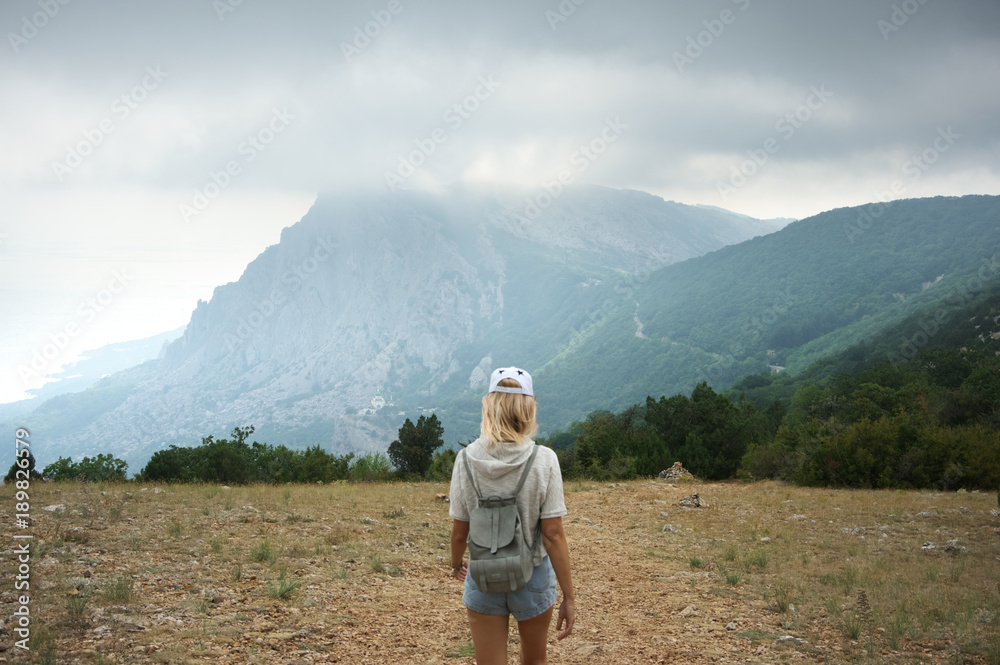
(515, 373)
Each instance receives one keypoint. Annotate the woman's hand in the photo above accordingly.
(567, 615)
(461, 572)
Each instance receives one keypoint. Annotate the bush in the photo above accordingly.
(102, 468)
(442, 465)
(370, 468)
(233, 462)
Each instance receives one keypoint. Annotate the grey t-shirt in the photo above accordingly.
(497, 472)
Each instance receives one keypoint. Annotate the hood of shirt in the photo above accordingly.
(499, 460)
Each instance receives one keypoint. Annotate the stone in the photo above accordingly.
(953, 546)
(789, 640)
(442, 498)
(670, 528)
(731, 625)
(690, 501)
(674, 472)
(688, 611)
(54, 507)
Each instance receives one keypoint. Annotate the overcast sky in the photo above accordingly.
(116, 113)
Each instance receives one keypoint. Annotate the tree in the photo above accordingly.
(12, 474)
(173, 464)
(413, 451)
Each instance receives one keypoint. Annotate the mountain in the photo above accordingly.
(92, 367)
(372, 307)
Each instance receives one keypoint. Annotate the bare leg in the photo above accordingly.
(534, 638)
(489, 637)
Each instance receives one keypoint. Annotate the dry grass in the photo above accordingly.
(345, 572)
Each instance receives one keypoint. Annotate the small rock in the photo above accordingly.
(157, 490)
(425, 524)
(688, 611)
(690, 501)
(251, 508)
(789, 639)
(928, 546)
(765, 539)
(87, 574)
(54, 507)
(953, 546)
(731, 626)
(670, 528)
(225, 487)
(797, 518)
(442, 498)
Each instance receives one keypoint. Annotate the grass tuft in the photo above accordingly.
(264, 552)
(120, 591)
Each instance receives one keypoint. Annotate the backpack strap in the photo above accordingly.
(524, 476)
(465, 458)
(527, 467)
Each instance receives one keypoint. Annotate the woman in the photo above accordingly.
(497, 460)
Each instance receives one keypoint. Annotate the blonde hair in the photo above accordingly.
(508, 416)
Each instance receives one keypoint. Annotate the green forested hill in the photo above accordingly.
(915, 405)
(817, 287)
(970, 322)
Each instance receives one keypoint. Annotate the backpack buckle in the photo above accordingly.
(496, 502)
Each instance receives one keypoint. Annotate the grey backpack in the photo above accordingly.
(499, 559)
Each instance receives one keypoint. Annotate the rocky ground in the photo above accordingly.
(342, 573)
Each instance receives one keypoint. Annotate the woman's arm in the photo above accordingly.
(459, 534)
(555, 544)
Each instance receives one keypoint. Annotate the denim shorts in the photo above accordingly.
(538, 596)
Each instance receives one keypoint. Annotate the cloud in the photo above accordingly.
(702, 87)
